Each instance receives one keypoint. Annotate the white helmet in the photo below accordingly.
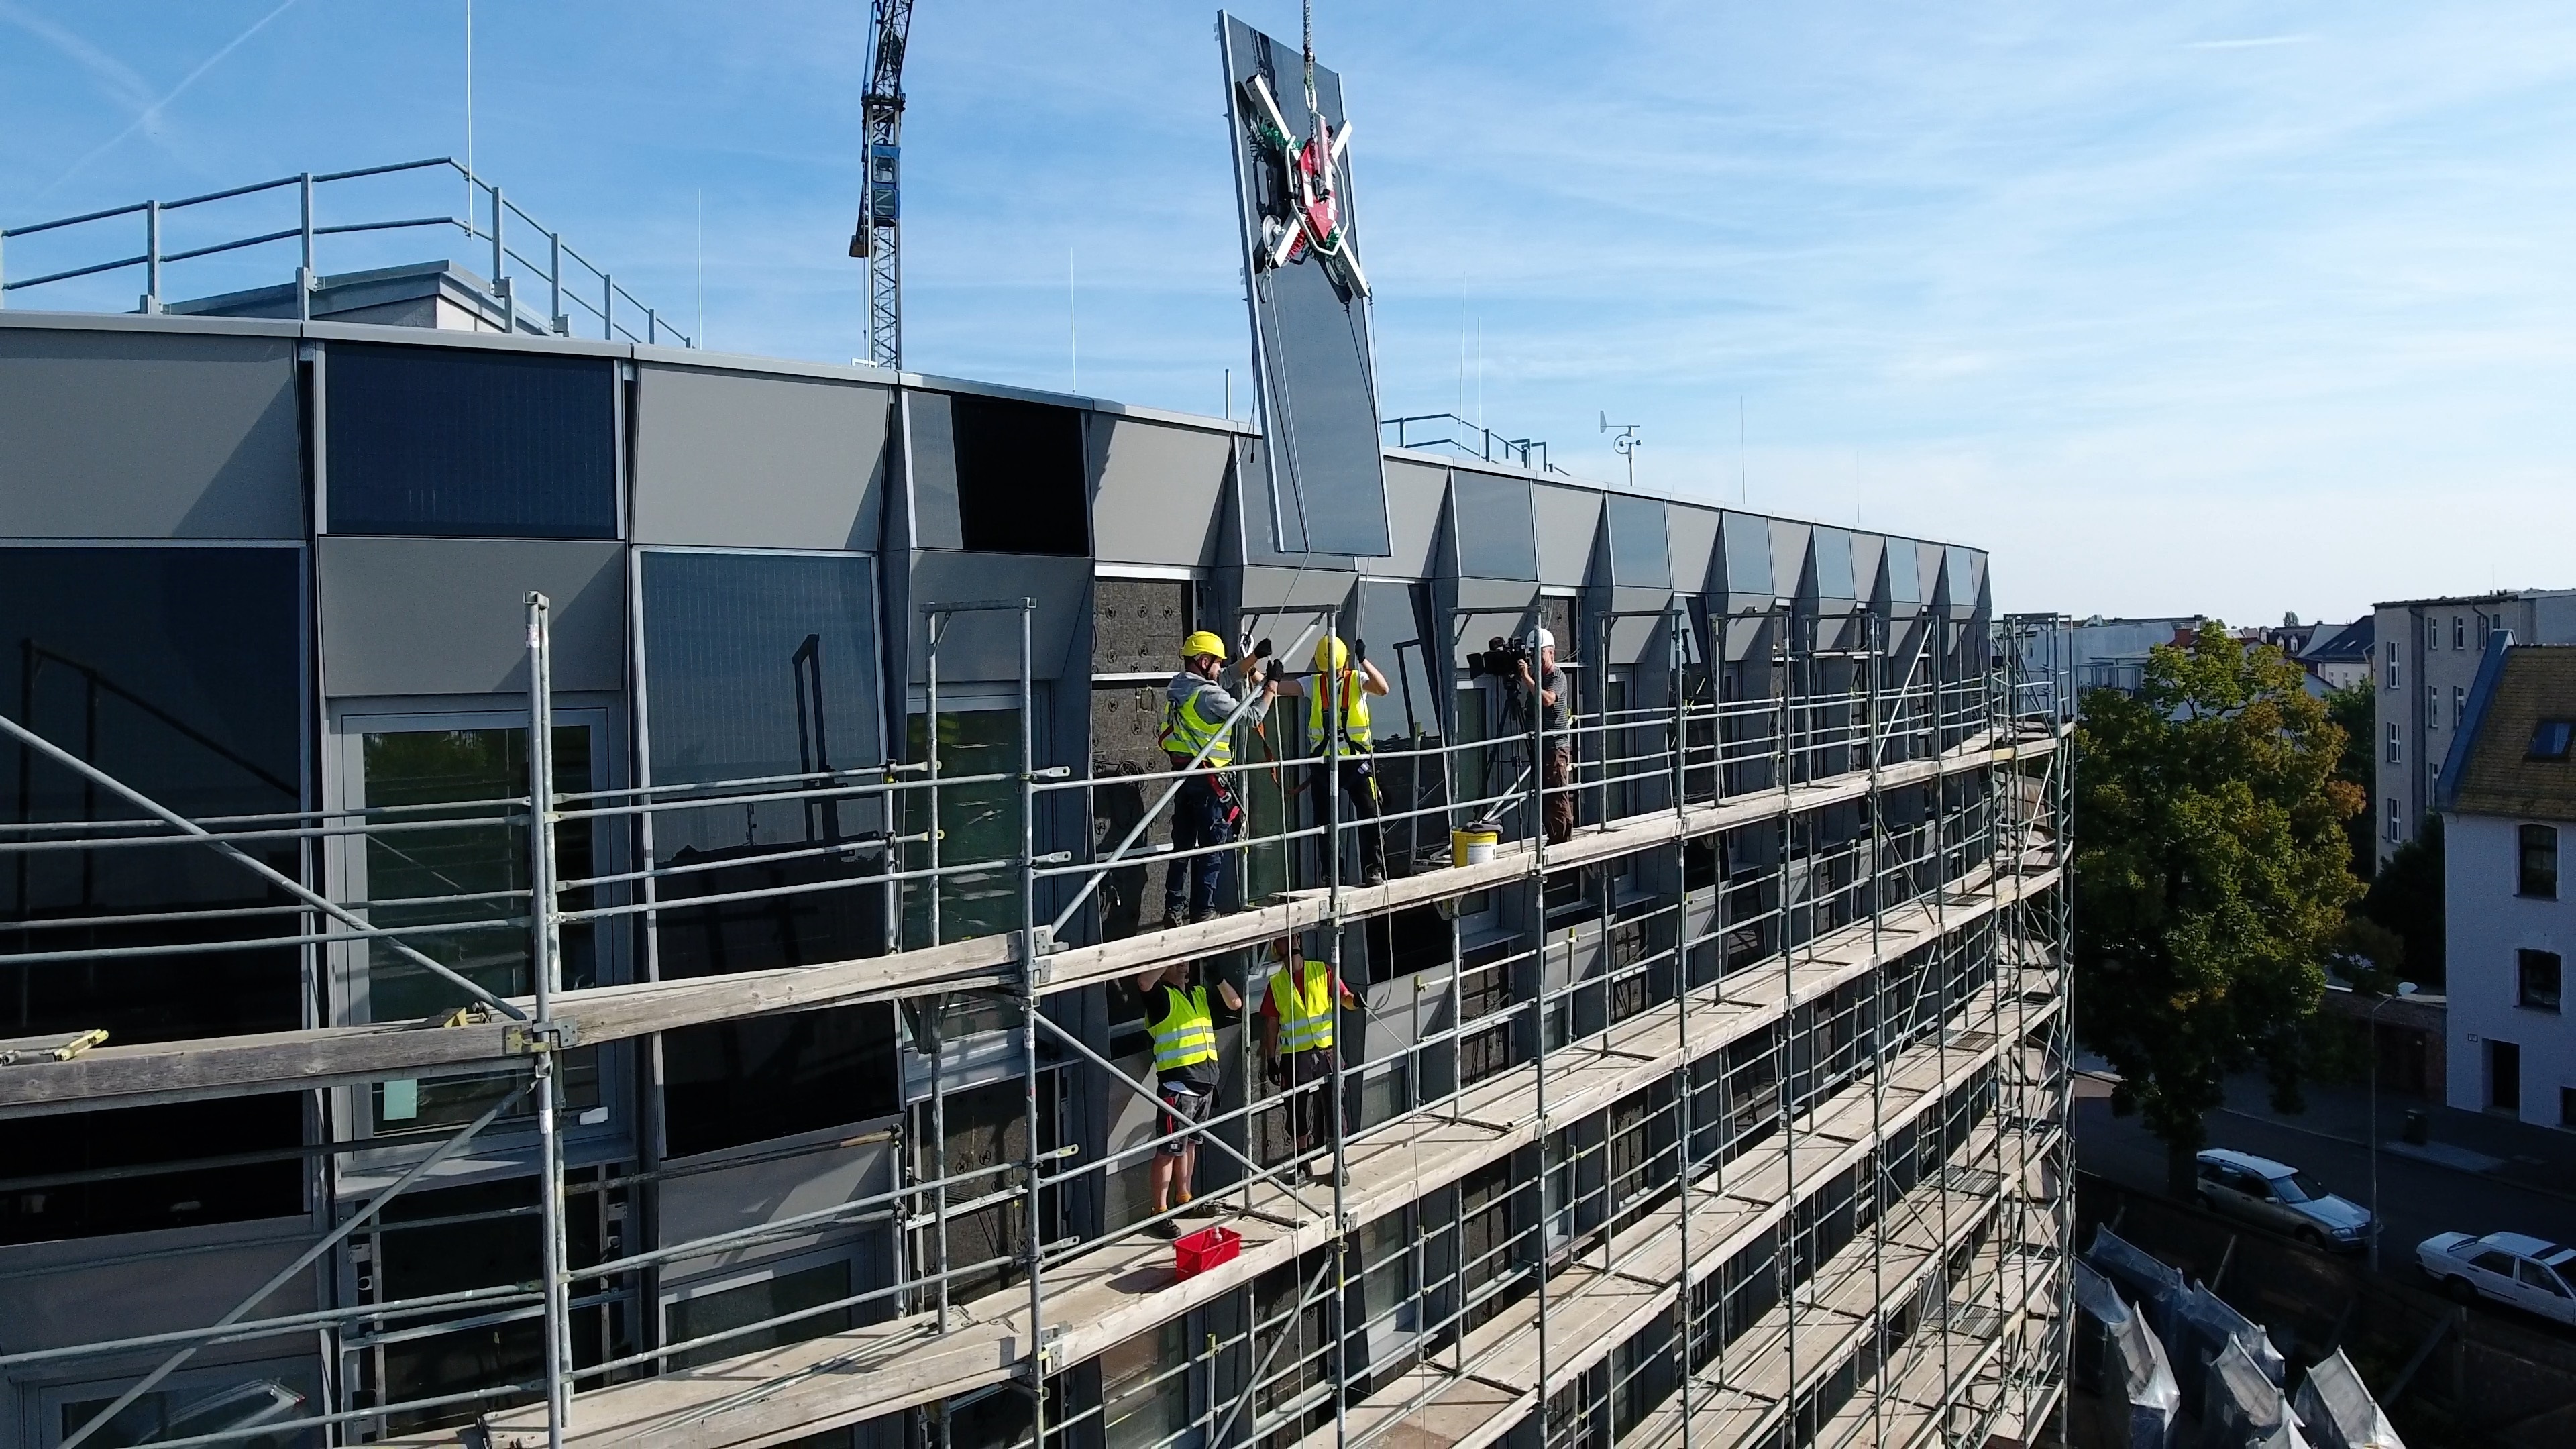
(1541, 639)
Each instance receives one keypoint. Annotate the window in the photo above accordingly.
(2536, 980)
(463, 442)
(2392, 742)
(2459, 632)
(2549, 741)
(2492, 1261)
(2534, 1275)
(2432, 706)
(2567, 1106)
(2459, 705)
(2537, 873)
(1020, 485)
(2432, 635)
(2392, 663)
(2504, 1075)
(1145, 1388)
(2396, 830)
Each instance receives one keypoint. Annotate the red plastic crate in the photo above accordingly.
(1203, 1250)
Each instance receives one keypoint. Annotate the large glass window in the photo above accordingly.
(179, 672)
(465, 442)
(2536, 980)
(978, 825)
(453, 856)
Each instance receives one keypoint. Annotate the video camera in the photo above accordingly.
(1503, 659)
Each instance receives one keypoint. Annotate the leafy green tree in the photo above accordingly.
(2406, 897)
(2211, 875)
(2355, 710)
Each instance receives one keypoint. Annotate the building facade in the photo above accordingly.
(781, 1078)
(2508, 803)
(2425, 658)
(2340, 658)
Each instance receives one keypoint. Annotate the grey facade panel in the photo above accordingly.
(1691, 536)
(1414, 493)
(449, 615)
(737, 460)
(984, 646)
(930, 440)
(1158, 492)
(1566, 519)
(1491, 521)
(1747, 557)
(1640, 546)
(126, 435)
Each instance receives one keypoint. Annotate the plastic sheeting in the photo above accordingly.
(2155, 1287)
(2242, 1407)
(2204, 1327)
(2141, 1405)
(2339, 1412)
(2098, 1310)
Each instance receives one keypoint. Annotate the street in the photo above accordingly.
(2417, 1198)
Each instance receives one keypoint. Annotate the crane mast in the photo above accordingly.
(879, 237)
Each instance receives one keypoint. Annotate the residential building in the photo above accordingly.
(2426, 654)
(2508, 803)
(664, 966)
(2340, 658)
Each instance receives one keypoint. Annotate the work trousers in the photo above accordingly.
(1359, 786)
(1560, 802)
(1200, 817)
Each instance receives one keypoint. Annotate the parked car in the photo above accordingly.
(2514, 1268)
(2282, 1198)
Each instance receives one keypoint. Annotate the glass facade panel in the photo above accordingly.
(730, 1308)
(1640, 556)
(1497, 535)
(1747, 541)
(978, 822)
(467, 443)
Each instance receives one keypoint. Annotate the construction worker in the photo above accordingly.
(1185, 1080)
(1196, 707)
(1556, 718)
(1297, 1040)
(1337, 697)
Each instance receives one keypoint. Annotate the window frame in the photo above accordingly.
(2530, 963)
(2530, 880)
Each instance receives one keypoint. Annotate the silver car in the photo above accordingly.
(2516, 1268)
(2282, 1198)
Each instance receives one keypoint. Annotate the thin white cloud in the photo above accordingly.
(2251, 42)
(150, 118)
(113, 76)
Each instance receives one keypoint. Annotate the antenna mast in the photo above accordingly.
(879, 237)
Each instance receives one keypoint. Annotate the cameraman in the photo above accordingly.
(1556, 717)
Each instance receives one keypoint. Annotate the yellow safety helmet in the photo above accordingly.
(1203, 642)
(1332, 653)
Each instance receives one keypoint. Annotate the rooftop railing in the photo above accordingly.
(583, 296)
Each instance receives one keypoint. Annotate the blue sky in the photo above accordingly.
(2225, 308)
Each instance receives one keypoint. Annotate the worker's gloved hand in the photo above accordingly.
(1279, 1074)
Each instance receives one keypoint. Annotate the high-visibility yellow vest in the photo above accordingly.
(1355, 710)
(1186, 726)
(1186, 1036)
(1304, 1003)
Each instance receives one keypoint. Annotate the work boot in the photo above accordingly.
(1167, 1230)
(1193, 1208)
(1174, 917)
(1204, 913)
(1375, 875)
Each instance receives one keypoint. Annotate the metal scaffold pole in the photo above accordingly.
(545, 956)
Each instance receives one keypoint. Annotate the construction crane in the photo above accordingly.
(879, 237)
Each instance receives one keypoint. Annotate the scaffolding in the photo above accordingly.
(1768, 1148)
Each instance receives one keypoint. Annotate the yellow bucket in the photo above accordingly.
(1473, 847)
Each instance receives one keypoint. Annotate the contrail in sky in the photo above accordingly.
(152, 113)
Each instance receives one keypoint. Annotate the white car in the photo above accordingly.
(2516, 1268)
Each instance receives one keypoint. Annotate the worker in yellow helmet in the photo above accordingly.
(1337, 696)
(1297, 1039)
(1196, 708)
